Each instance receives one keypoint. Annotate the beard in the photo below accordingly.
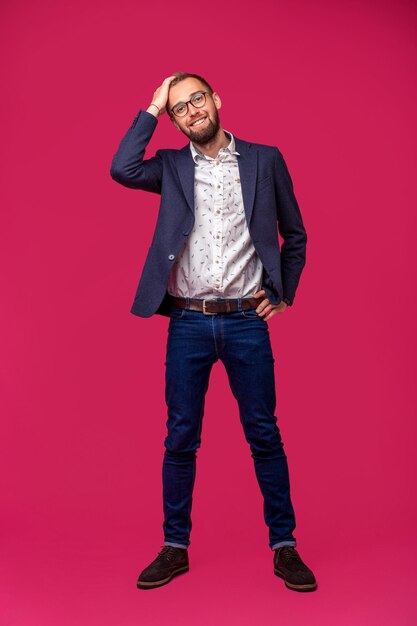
(207, 133)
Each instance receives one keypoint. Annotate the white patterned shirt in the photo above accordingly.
(218, 259)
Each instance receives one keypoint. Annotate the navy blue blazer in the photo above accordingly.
(268, 198)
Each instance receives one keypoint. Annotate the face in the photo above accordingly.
(207, 117)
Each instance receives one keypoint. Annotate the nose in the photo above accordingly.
(193, 113)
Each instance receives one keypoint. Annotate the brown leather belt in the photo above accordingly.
(210, 307)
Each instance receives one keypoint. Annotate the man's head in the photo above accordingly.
(199, 119)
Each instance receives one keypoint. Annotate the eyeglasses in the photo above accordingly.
(198, 100)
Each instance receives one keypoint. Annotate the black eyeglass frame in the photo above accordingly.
(190, 101)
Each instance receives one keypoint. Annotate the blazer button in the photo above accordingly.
(171, 257)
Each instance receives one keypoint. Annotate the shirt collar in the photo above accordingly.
(231, 148)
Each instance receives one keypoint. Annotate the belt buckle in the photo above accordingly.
(204, 308)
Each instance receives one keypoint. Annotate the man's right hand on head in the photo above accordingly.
(160, 98)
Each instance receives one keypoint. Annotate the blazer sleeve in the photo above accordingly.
(291, 229)
(128, 167)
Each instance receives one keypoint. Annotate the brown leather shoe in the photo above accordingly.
(169, 563)
(289, 566)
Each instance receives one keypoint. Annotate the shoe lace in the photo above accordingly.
(167, 553)
(288, 553)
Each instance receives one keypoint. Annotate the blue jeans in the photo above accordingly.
(241, 341)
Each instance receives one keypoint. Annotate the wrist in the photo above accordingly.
(154, 109)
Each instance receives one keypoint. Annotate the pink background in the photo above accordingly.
(332, 84)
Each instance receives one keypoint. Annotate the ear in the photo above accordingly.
(216, 100)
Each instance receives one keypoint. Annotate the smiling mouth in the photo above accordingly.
(198, 122)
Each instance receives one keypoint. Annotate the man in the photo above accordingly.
(216, 269)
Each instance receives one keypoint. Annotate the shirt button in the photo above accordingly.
(171, 257)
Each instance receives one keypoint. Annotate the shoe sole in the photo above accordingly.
(307, 587)
(163, 581)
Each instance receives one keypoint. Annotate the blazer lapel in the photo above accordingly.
(185, 168)
(248, 167)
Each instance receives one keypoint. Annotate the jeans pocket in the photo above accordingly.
(251, 314)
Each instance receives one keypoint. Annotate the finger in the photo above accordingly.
(260, 293)
(271, 314)
(262, 310)
(164, 87)
(166, 83)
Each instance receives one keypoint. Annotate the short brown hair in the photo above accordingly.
(179, 76)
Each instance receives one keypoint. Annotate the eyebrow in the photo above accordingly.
(190, 96)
